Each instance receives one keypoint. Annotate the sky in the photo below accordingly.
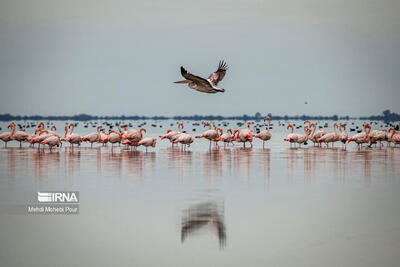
(122, 57)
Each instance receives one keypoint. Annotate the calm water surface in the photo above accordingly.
(222, 207)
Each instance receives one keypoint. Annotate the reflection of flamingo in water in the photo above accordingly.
(264, 135)
(202, 215)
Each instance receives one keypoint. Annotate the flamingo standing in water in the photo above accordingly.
(244, 135)
(36, 133)
(292, 137)
(394, 137)
(210, 134)
(361, 138)
(315, 135)
(92, 137)
(134, 136)
(302, 138)
(18, 136)
(343, 136)
(185, 139)
(103, 137)
(53, 140)
(6, 136)
(148, 142)
(226, 137)
(264, 135)
(114, 137)
(171, 134)
(330, 137)
(376, 135)
(72, 137)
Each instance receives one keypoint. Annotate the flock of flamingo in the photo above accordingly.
(134, 138)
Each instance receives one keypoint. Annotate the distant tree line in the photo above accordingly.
(386, 115)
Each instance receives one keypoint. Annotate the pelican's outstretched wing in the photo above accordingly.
(217, 76)
(195, 79)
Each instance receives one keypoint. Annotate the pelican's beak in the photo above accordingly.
(185, 81)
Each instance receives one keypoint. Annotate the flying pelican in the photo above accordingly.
(208, 85)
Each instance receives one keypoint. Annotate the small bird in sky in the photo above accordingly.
(208, 85)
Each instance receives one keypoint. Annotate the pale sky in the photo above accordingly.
(122, 57)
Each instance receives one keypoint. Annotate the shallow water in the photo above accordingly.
(277, 206)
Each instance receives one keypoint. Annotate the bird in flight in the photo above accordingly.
(208, 85)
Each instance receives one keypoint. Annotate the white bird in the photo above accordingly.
(208, 85)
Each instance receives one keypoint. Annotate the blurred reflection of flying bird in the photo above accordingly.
(208, 85)
(201, 215)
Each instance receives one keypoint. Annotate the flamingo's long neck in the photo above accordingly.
(315, 127)
(72, 129)
(291, 126)
(98, 132)
(12, 130)
(268, 124)
(340, 129)
(334, 129)
(391, 137)
(369, 130)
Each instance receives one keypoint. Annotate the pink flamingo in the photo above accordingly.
(376, 135)
(315, 135)
(245, 135)
(114, 137)
(210, 134)
(226, 137)
(395, 137)
(330, 137)
(171, 135)
(6, 136)
(92, 137)
(185, 139)
(292, 137)
(36, 133)
(302, 138)
(72, 137)
(343, 136)
(133, 135)
(264, 135)
(53, 140)
(18, 136)
(103, 137)
(361, 138)
(148, 142)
